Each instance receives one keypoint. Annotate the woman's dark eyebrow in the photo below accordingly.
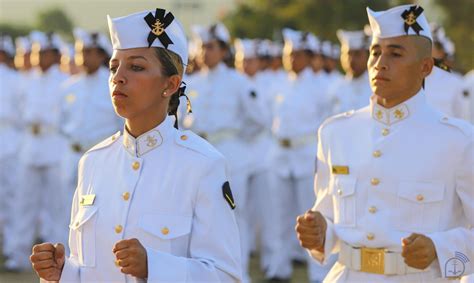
(137, 57)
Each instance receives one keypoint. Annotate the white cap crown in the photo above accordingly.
(398, 21)
(149, 29)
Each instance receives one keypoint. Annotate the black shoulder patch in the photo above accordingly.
(228, 195)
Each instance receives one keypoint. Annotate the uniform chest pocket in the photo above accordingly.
(419, 206)
(343, 192)
(166, 232)
(83, 235)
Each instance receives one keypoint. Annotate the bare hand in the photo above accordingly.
(48, 261)
(418, 250)
(131, 257)
(311, 230)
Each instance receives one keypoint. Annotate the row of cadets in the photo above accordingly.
(40, 154)
(300, 107)
(223, 105)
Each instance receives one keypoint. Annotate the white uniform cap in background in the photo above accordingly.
(45, 41)
(6, 45)
(298, 40)
(439, 35)
(246, 48)
(205, 34)
(23, 44)
(67, 50)
(326, 48)
(336, 51)
(276, 49)
(149, 29)
(353, 40)
(264, 48)
(398, 21)
(86, 39)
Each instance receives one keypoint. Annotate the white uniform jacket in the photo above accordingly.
(164, 188)
(384, 174)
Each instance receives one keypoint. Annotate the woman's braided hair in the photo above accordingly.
(172, 65)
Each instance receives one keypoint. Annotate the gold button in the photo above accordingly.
(117, 262)
(372, 209)
(375, 181)
(370, 236)
(136, 165)
(165, 231)
(126, 196)
(118, 229)
(113, 138)
(184, 137)
(420, 197)
(339, 192)
(385, 132)
(377, 153)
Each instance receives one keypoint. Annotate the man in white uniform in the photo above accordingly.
(40, 155)
(223, 104)
(9, 131)
(395, 181)
(353, 92)
(300, 107)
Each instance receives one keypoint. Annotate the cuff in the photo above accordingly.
(452, 258)
(163, 267)
(329, 245)
(70, 271)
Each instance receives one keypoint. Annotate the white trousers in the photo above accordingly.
(294, 196)
(40, 206)
(8, 184)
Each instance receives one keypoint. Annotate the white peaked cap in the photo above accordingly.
(45, 41)
(207, 33)
(156, 28)
(439, 35)
(353, 40)
(23, 43)
(92, 39)
(6, 45)
(298, 40)
(398, 21)
(246, 48)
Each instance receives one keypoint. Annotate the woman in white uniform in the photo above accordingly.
(152, 203)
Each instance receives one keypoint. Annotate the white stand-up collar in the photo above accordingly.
(150, 140)
(400, 112)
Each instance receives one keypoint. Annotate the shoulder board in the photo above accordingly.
(105, 143)
(465, 127)
(194, 142)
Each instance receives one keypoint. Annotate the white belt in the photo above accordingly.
(378, 261)
(298, 141)
(220, 136)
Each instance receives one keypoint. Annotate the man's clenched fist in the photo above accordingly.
(131, 257)
(311, 230)
(48, 261)
(418, 250)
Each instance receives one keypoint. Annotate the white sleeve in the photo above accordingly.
(214, 248)
(71, 265)
(324, 203)
(456, 243)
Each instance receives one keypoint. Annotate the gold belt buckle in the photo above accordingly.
(285, 143)
(372, 260)
(35, 129)
(76, 147)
